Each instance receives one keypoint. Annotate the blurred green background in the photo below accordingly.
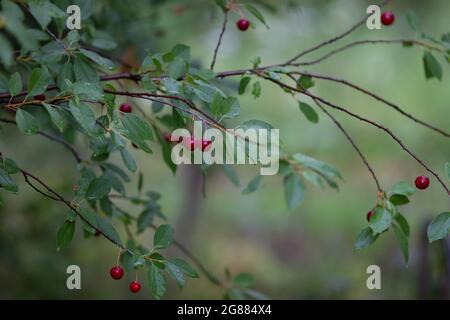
(307, 253)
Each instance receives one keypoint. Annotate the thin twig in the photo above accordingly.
(373, 123)
(332, 40)
(224, 26)
(375, 96)
(363, 42)
(52, 138)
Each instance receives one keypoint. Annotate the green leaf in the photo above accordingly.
(305, 82)
(39, 80)
(84, 72)
(84, 115)
(156, 281)
(256, 92)
(185, 267)
(176, 69)
(6, 53)
(309, 112)
(243, 84)
(7, 183)
(26, 122)
(403, 223)
(243, 279)
(56, 117)
(65, 234)
(146, 218)
(137, 130)
(87, 90)
(253, 185)
(43, 11)
(107, 229)
(380, 220)
(413, 20)
(365, 238)
(163, 237)
(432, 67)
(101, 61)
(324, 169)
(98, 188)
(294, 190)
(65, 73)
(439, 227)
(403, 188)
(10, 166)
(256, 13)
(176, 273)
(128, 159)
(398, 199)
(15, 84)
(402, 241)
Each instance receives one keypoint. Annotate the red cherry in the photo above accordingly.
(190, 143)
(369, 215)
(422, 182)
(135, 287)
(116, 272)
(126, 108)
(205, 144)
(387, 18)
(40, 97)
(243, 24)
(97, 233)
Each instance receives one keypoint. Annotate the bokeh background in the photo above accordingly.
(306, 253)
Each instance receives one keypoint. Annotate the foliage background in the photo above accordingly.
(306, 253)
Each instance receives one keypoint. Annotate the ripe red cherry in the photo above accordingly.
(135, 287)
(387, 18)
(97, 233)
(422, 182)
(205, 144)
(116, 272)
(369, 215)
(40, 97)
(125, 107)
(243, 24)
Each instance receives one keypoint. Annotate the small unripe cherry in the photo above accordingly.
(422, 182)
(116, 272)
(135, 287)
(243, 24)
(126, 108)
(369, 215)
(387, 18)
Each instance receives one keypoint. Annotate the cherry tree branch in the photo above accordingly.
(216, 50)
(373, 123)
(375, 96)
(332, 40)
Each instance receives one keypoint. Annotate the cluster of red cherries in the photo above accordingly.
(117, 273)
(421, 182)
